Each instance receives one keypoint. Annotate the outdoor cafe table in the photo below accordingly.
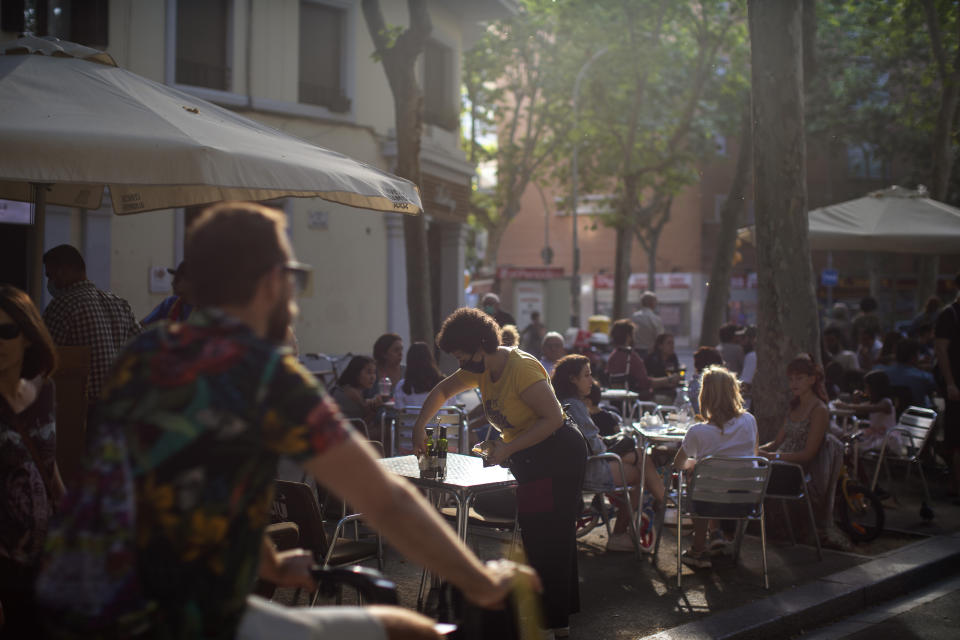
(669, 433)
(624, 396)
(466, 479)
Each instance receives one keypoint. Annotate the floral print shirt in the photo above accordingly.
(208, 408)
(25, 509)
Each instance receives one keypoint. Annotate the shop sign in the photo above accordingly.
(529, 273)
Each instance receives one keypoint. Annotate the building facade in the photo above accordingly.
(305, 67)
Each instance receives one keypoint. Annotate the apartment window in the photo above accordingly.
(203, 32)
(440, 106)
(321, 79)
(81, 21)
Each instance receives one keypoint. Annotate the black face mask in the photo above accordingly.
(474, 366)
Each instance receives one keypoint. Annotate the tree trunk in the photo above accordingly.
(495, 234)
(718, 290)
(399, 60)
(621, 271)
(787, 308)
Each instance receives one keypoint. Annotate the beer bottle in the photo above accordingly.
(442, 453)
(426, 458)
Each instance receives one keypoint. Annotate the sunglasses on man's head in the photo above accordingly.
(301, 274)
(9, 331)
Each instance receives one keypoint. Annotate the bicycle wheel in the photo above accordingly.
(861, 512)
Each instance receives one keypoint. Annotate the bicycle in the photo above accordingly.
(857, 510)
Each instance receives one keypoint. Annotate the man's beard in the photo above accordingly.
(279, 322)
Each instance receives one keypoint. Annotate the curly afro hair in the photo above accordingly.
(467, 330)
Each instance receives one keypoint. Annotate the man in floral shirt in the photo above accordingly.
(208, 407)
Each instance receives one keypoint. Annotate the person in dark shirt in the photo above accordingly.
(947, 345)
(491, 305)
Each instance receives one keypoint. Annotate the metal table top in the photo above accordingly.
(463, 472)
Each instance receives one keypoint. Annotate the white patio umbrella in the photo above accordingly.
(72, 122)
(896, 220)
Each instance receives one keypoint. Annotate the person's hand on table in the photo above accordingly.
(419, 438)
(503, 577)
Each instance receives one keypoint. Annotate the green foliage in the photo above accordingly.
(877, 85)
(391, 34)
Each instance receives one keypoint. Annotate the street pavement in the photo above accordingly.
(932, 612)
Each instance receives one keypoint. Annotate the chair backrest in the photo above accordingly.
(918, 422)
(71, 379)
(735, 485)
(296, 502)
(786, 480)
(401, 440)
(902, 398)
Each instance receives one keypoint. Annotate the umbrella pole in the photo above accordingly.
(36, 257)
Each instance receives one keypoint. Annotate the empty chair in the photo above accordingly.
(915, 428)
(296, 502)
(730, 489)
(399, 430)
(788, 482)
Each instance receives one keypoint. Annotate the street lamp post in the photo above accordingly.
(575, 277)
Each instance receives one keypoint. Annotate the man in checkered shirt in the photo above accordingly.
(80, 314)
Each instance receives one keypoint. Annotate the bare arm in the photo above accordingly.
(866, 407)
(682, 461)
(397, 510)
(540, 398)
(776, 442)
(447, 388)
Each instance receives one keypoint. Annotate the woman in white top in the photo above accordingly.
(727, 430)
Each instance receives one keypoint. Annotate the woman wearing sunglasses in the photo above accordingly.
(30, 484)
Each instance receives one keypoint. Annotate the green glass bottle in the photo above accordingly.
(442, 453)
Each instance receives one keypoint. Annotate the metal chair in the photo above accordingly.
(619, 492)
(296, 502)
(399, 426)
(916, 425)
(789, 482)
(725, 488)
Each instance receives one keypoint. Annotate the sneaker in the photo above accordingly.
(648, 527)
(620, 542)
(718, 545)
(697, 560)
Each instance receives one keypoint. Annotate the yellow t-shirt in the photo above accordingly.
(502, 404)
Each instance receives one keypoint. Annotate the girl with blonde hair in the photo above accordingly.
(727, 429)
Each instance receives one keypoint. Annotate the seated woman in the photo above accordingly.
(422, 375)
(353, 385)
(388, 354)
(662, 367)
(805, 440)
(727, 430)
(572, 381)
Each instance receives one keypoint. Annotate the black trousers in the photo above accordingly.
(549, 483)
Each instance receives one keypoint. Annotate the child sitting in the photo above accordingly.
(879, 408)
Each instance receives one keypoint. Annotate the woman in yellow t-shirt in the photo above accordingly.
(547, 456)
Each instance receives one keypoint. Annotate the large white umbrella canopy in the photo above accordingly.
(895, 220)
(72, 119)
